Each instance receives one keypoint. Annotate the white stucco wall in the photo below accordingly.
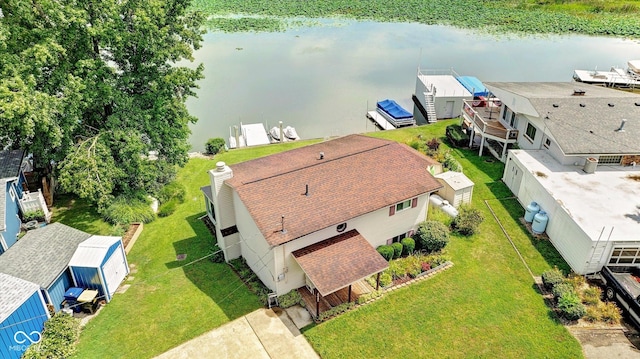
(568, 238)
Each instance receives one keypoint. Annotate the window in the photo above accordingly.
(531, 132)
(403, 205)
(547, 142)
(12, 193)
(610, 160)
(625, 255)
(398, 238)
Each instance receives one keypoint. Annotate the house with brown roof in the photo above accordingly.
(313, 216)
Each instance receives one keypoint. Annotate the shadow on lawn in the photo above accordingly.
(216, 280)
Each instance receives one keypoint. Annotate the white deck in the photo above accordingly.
(608, 197)
(381, 121)
(445, 85)
(255, 134)
(615, 77)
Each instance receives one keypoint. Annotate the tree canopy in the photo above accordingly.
(92, 87)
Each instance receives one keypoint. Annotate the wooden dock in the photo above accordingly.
(380, 120)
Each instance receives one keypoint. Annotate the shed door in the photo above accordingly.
(448, 111)
(115, 269)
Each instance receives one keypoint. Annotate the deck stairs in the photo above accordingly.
(431, 107)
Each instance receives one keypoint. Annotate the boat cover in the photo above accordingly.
(473, 85)
(634, 65)
(393, 109)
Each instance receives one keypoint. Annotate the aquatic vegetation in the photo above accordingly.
(508, 16)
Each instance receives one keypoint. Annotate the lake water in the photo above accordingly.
(323, 79)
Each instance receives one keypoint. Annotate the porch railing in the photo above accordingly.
(487, 127)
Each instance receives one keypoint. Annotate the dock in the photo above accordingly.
(615, 78)
(253, 134)
(380, 120)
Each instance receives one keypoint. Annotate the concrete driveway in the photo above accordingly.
(261, 334)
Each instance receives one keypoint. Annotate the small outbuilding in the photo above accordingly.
(458, 188)
(22, 315)
(100, 263)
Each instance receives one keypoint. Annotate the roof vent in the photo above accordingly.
(637, 103)
(611, 105)
(621, 128)
(321, 155)
(583, 105)
(578, 92)
(220, 166)
(555, 105)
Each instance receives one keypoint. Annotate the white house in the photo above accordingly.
(578, 162)
(312, 216)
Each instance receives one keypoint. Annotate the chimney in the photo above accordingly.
(220, 166)
(621, 128)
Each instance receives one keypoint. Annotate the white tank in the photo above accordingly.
(443, 205)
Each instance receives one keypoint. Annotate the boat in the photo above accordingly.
(615, 77)
(394, 113)
(290, 133)
(274, 132)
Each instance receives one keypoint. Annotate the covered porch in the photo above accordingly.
(335, 269)
(484, 122)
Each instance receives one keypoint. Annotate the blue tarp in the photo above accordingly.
(393, 109)
(473, 85)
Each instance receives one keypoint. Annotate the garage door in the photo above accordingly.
(115, 269)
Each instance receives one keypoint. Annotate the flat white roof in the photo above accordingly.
(609, 198)
(446, 85)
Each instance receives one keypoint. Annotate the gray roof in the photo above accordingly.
(3, 204)
(10, 162)
(583, 124)
(13, 292)
(42, 254)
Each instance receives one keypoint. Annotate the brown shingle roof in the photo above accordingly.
(357, 175)
(339, 261)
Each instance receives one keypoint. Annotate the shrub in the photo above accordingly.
(467, 221)
(385, 280)
(59, 338)
(216, 254)
(339, 309)
(397, 249)
(571, 307)
(408, 245)
(432, 236)
(166, 209)
(433, 144)
(34, 215)
(425, 266)
(290, 299)
(386, 252)
(552, 277)
(214, 145)
(367, 297)
(609, 313)
(591, 295)
(124, 210)
(562, 289)
(451, 163)
(170, 191)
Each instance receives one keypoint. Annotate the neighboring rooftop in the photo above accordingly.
(13, 292)
(42, 254)
(3, 204)
(609, 198)
(446, 85)
(582, 118)
(346, 178)
(10, 162)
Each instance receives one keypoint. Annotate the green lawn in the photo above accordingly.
(485, 306)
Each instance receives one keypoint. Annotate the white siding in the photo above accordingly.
(377, 227)
(441, 106)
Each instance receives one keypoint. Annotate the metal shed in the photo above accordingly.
(458, 188)
(100, 263)
(22, 315)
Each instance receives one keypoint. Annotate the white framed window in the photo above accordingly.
(625, 256)
(610, 160)
(398, 238)
(12, 193)
(531, 132)
(547, 142)
(403, 205)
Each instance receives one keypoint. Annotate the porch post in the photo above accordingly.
(349, 300)
(378, 281)
(317, 302)
(504, 150)
(481, 146)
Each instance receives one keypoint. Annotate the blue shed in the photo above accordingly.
(100, 263)
(10, 163)
(42, 257)
(22, 315)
